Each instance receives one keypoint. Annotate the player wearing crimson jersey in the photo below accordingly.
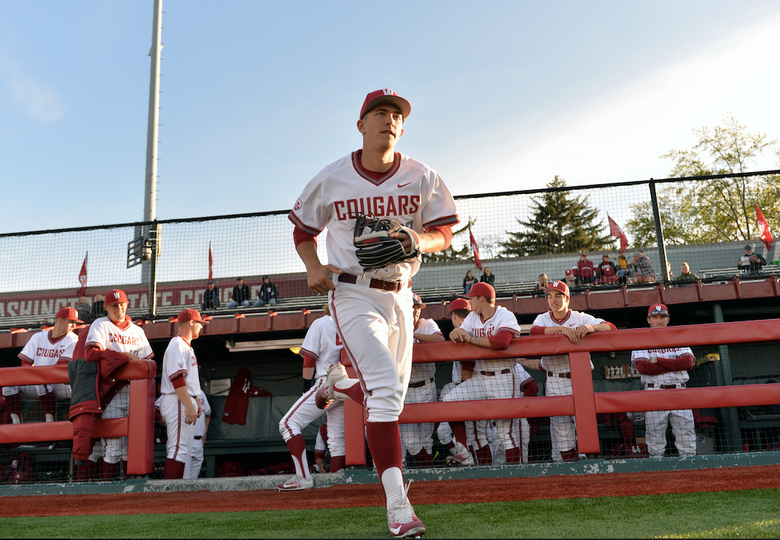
(575, 326)
(180, 389)
(666, 369)
(48, 348)
(108, 337)
(493, 327)
(418, 438)
(373, 310)
(321, 348)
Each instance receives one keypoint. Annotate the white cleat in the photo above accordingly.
(296, 483)
(401, 519)
(327, 392)
(461, 458)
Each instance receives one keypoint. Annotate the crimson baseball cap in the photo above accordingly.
(460, 303)
(190, 315)
(569, 272)
(657, 309)
(385, 95)
(559, 286)
(482, 289)
(70, 314)
(417, 300)
(115, 297)
(584, 254)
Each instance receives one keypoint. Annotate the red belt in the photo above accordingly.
(418, 384)
(494, 373)
(391, 286)
(665, 386)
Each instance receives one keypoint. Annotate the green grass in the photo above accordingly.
(732, 514)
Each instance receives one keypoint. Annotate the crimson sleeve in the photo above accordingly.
(612, 326)
(501, 340)
(309, 361)
(684, 362)
(26, 362)
(646, 367)
(179, 381)
(446, 232)
(93, 354)
(300, 236)
(529, 387)
(537, 330)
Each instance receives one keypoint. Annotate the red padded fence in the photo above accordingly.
(584, 403)
(138, 427)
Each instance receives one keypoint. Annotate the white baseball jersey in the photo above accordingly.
(179, 360)
(410, 193)
(105, 335)
(502, 319)
(322, 342)
(42, 350)
(422, 372)
(673, 377)
(574, 319)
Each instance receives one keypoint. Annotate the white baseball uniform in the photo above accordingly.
(41, 351)
(375, 325)
(558, 382)
(195, 461)
(323, 344)
(179, 361)
(422, 389)
(656, 422)
(495, 378)
(127, 337)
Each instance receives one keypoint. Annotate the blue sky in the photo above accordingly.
(259, 96)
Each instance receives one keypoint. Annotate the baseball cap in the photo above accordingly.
(748, 246)
(69, 314)
(417, 300)
(115, 297)
(385, 95)
(658, 309)
(190, 315)
(211, 282)
(584, 254)
(482, 289)
(569, 272)
(460, 303)
(559, 286)
(605, 255)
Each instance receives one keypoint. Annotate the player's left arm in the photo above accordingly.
(683, 362)
(500, 340)
(436, 239)
(429, 338)
(586, 329)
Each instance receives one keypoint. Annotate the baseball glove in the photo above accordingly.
(376, 248)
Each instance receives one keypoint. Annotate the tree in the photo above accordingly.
(560, 223)
(713, 210)
(451, 254)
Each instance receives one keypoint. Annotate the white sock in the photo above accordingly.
(393, 484)
(50, 418)
(15, 419)
(301, 466)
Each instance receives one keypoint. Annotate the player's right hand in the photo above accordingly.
(131, 356)
(570, 333)
(459, 335)
(190, 415)
(318, 278)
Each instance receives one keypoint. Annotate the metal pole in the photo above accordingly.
(659, 231)
(150, 191)
(154, 244)
(730, 431)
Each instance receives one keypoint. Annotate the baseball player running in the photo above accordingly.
(494, 327)
(418, 438)
(180, 389)
(321, 348)
(108, 337)
(575, 326)
(665, 369)
(372, 307)
(46, 349)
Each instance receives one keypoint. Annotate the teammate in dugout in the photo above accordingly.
(180, 388)
(46, 349)
(108, 339)
(575, 326)
(493, 327)
(418, 438)
(321, 348)
(666, 369)
(373, 308)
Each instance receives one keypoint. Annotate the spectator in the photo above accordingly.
(643, 268)
(84, 309)
(268, 293)
(585, 270)
(569, 281)
(97, 308)
(488, 277)
(608, 271)
(686, 276)
(210, 297)
(240, 295)
(468, 281)
(625, 269)
(751, 262)
(541, 285)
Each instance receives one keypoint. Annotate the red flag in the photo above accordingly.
(83, 277)
(475, 248)
(211, 262)
(763, 227)
(616, 231)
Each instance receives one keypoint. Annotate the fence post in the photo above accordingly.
(659, 230)
(733, 439)
(153, 243)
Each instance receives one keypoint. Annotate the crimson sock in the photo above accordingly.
(355, 392)
(570, 455)
(297, 447)
(459, 432)
(173, 469)
(423, 459)
(484, 455)
(336, 463)
(384, 441)
(514, 455)
(49, 404)
(110, 470)
(86, 472)
(15, 405)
